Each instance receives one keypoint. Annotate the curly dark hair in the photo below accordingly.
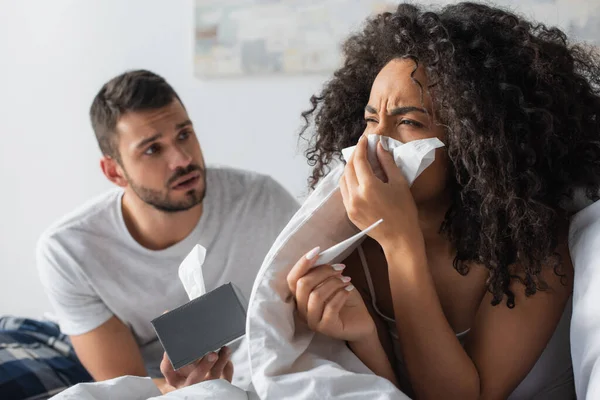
(521, 106)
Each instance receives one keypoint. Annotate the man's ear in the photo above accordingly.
(113, 171)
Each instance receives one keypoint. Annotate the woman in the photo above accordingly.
(460, 290)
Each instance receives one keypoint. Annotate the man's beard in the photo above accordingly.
(160, 199)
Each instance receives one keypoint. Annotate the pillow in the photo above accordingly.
(584, 246)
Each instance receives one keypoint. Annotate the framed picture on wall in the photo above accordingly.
(240, 38)
(275, 37)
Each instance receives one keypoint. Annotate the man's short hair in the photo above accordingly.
(131, 91)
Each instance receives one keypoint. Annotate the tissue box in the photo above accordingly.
(205, 324)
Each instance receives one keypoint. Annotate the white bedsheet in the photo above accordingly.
(584, 246)
(136, 388)
(123, 388)
(286, 358)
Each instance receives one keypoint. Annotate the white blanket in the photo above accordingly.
(286, 358)
(584, 245)
(125, 387)
(136, 388)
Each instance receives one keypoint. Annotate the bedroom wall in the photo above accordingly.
(54, 57)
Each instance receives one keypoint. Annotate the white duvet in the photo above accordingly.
(136, 388)
(288, 360)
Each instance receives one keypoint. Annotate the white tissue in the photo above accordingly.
(412, 157)
(190, 272)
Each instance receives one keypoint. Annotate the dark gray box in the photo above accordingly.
(203, 325)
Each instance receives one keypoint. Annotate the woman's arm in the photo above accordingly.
(503, 344)
(431, 351)
(375, 350)
(372, 354)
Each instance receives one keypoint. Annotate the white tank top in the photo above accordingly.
(551, 378)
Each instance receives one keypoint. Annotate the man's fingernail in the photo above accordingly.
(338, 267)
(349, 288)
(313, 253)
(346, 279)
(212, 357)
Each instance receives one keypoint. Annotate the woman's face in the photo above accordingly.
(398, 108)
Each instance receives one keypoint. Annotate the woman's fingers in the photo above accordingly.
(320, 296)
(360, 162)
(386, 160)
(331, 312)
(303, 265)
(344, 189)
(350, 172)
(312, 280)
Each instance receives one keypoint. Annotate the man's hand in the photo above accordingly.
(211, 366)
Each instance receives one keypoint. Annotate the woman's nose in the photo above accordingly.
(383, 128)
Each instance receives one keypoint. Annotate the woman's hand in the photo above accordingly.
(367, 199)
(328, 302)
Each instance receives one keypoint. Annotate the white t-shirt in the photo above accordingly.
(92, 268)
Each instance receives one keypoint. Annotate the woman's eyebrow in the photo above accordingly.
(406, 110)
(398, 110)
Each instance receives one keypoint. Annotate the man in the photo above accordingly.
(111, 266)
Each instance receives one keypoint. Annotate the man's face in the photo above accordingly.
(161, 159)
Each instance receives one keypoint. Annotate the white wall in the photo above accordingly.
(54, 56)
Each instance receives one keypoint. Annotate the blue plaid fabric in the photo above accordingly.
(36, 360)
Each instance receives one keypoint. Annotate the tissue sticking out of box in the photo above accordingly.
(190, 272)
